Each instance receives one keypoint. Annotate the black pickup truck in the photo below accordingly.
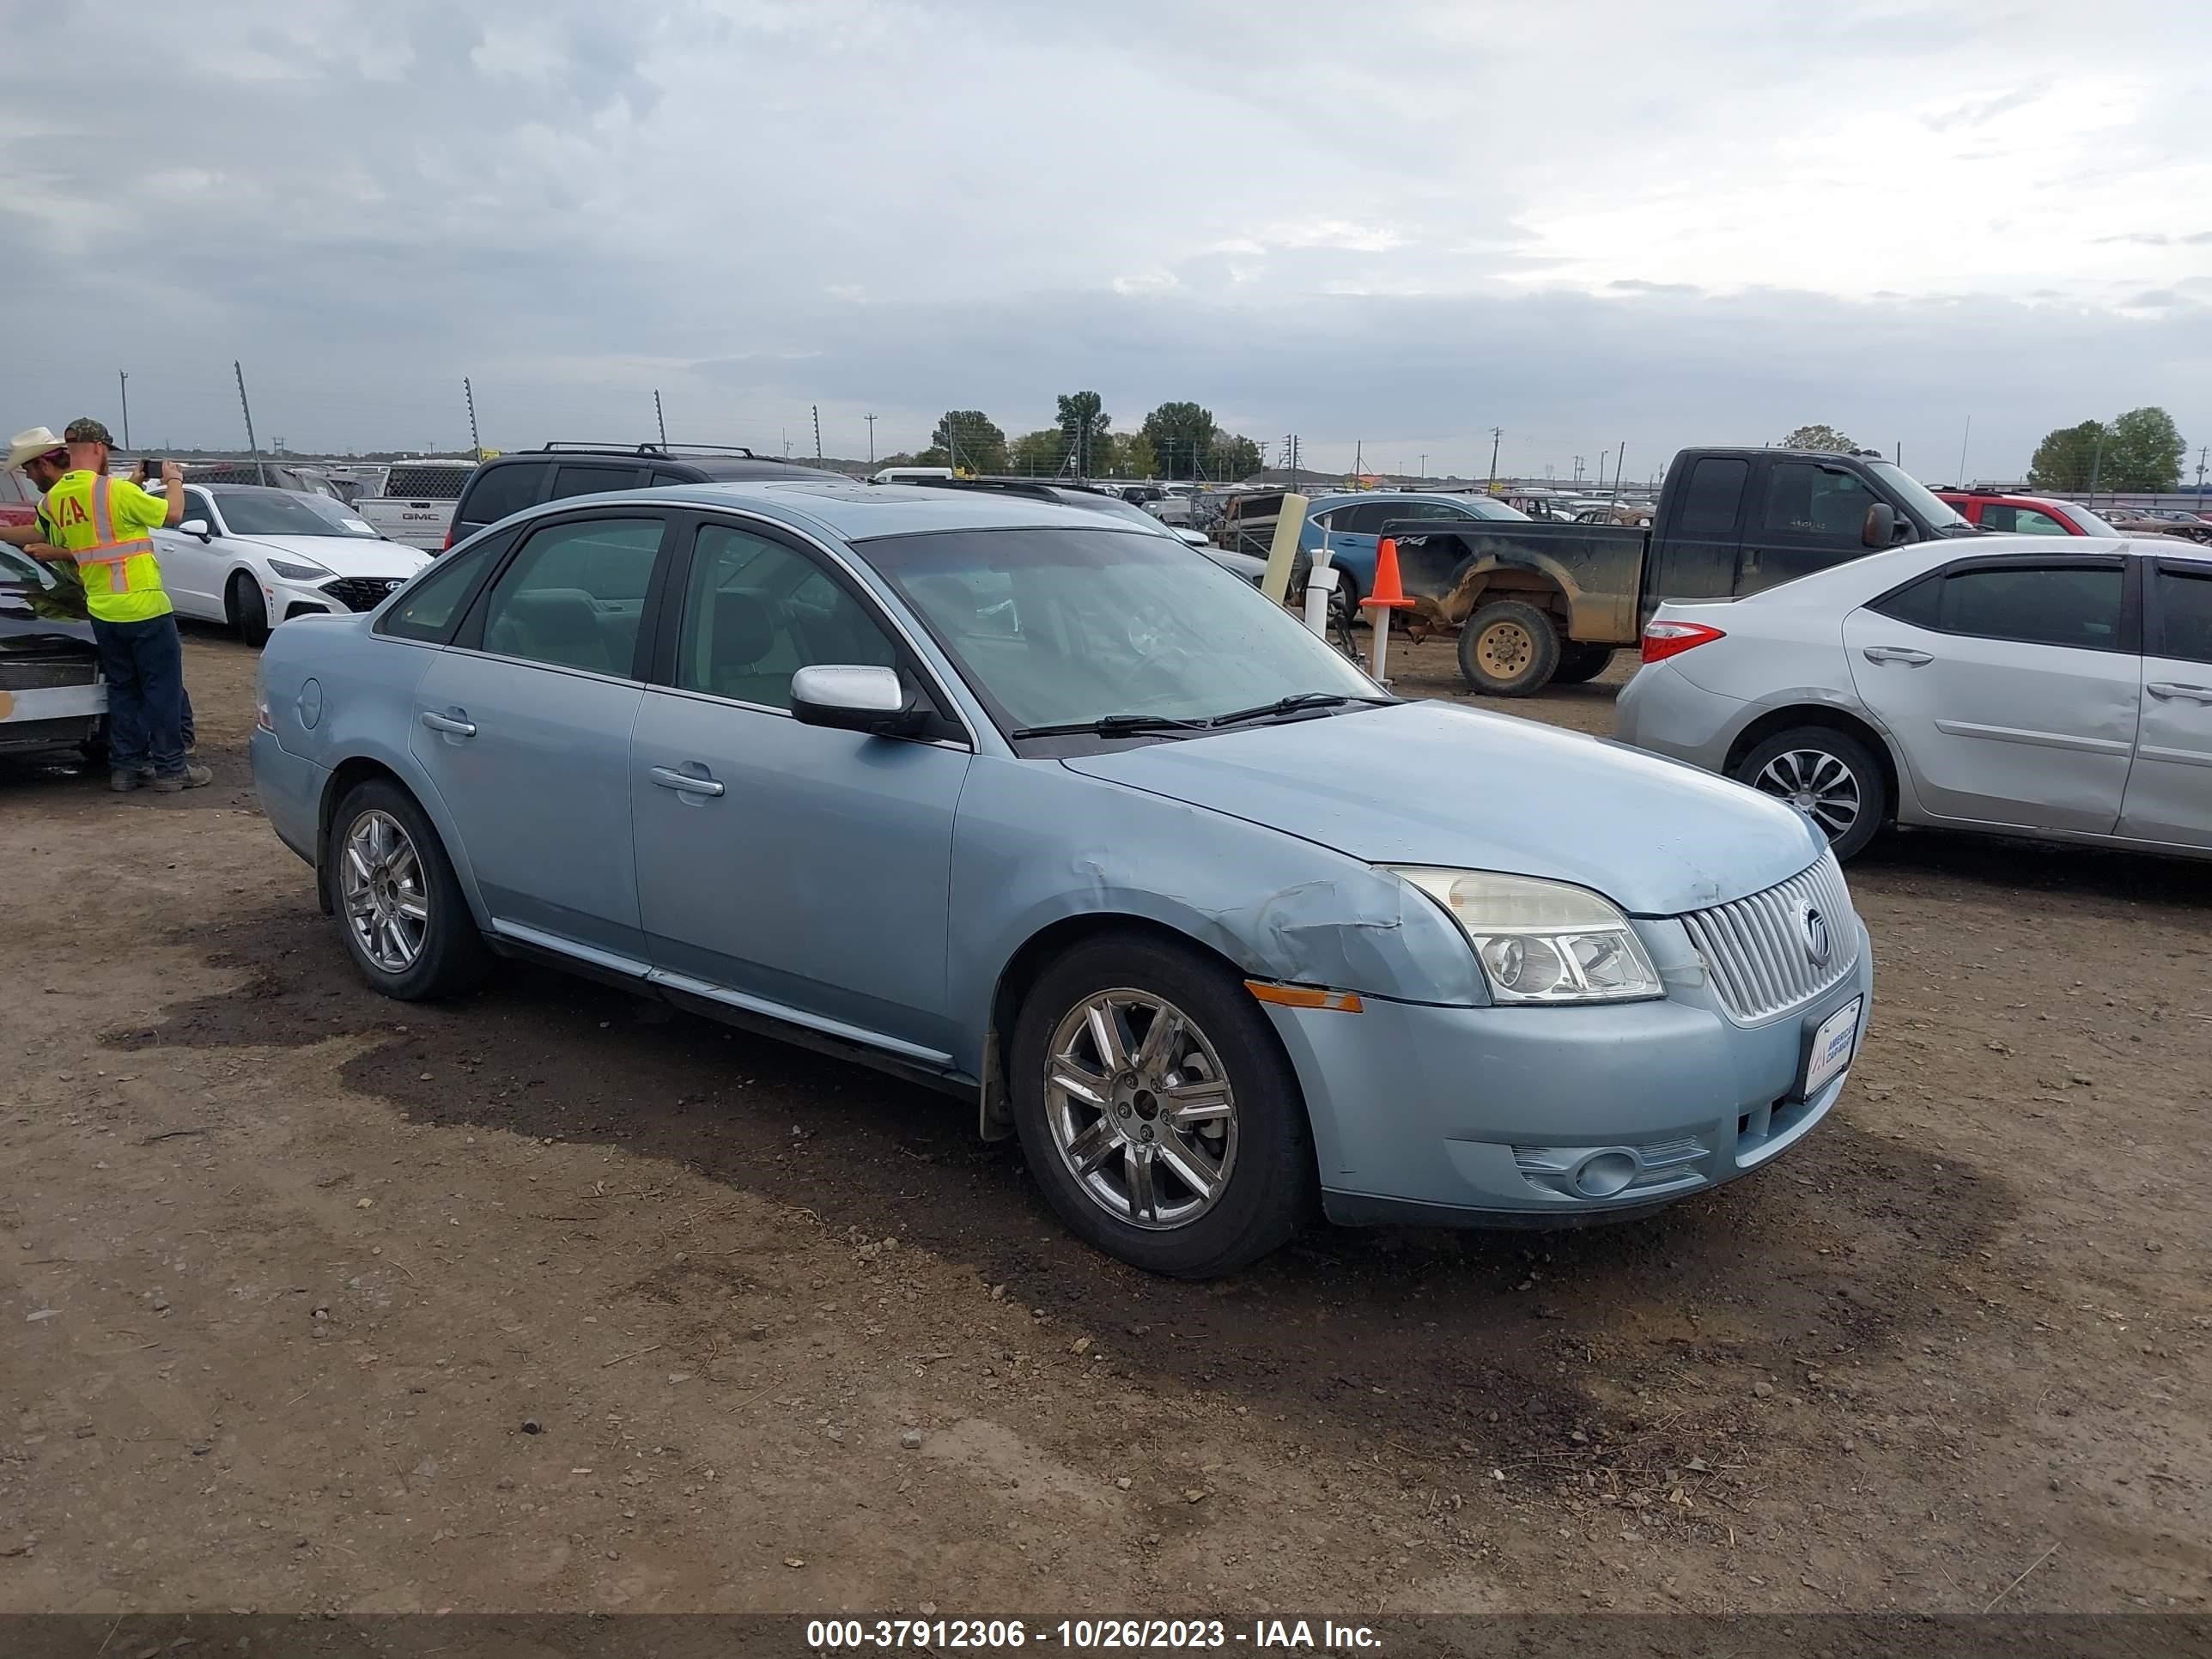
(1541, 602)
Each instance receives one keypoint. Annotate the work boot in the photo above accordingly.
(123, 782)
(192, 777)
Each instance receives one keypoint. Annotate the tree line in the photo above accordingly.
(2140, 451)
(1176, 440)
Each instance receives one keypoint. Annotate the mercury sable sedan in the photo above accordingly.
(997, 794)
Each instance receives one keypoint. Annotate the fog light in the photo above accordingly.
(1603, 1174)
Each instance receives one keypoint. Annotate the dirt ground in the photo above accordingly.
(554, 1299)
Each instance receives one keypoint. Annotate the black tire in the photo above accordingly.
(449, 956)
(1809, 755)
(1261, 1150)
(1509, 648)
(249, 612)
(1581, 664)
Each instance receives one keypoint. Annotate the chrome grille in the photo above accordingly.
(1756, 948)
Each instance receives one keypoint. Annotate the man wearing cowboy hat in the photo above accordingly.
(44, 457)
(106, 524)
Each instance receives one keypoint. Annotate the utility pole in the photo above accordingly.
(476, 443)
(1578, 468)
(2096, 470)
(1425, 467)
(657, 419)
(1618, 461)
(123, 379)
(1359, 459)
(1497, 436)
(1963, 436)
(2200, 479)
(260, 470)
(872, 440)
(817, 432)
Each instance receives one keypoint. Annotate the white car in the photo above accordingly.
(2001, 683)
(253, 557)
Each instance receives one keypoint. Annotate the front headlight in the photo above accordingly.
(1541, 941)
(297, 573)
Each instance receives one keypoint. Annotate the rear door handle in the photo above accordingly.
(2176, 689)
(689, 783)
(437, 722)
(1896, 654)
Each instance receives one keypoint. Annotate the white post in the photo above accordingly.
(1321, 586)
(1381, 649)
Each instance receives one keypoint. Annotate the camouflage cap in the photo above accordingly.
(87, 431)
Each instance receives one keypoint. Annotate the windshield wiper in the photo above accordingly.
(1112, 725)
(1291, 705)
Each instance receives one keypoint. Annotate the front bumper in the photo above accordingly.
(333, 596)
(1483, 1116)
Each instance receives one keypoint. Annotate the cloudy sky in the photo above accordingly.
(1397, 224)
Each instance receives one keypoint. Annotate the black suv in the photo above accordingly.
(506, 484)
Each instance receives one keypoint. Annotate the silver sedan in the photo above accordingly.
(2001, 684)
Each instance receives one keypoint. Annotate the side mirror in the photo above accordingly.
(1880, 527)
(852, 698)
(196, 527)
(1194, 538)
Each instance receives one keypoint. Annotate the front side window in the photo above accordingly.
(199, 505)
(574, 596)
(757, 611)
(1806, 500)
(1065, 626)
(2185, 609)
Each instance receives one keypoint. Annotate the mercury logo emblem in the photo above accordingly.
(1814, 926)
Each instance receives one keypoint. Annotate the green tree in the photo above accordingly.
(1235, 458)
(2066, 457)
(1819, 437)
(1088, 430)
(1038, 454)
(2143, 450)
(1182, 437)
(970, 435)
(1135, 457)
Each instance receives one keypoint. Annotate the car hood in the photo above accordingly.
(1432, 783)
(343, 555)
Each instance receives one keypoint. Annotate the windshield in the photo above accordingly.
(2091, 523)
(1936, 513)
(1064, 627)
(280, 513)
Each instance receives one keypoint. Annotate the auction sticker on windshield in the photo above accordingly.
(1831, 1047)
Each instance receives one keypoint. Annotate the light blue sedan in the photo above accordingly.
(1056, 815)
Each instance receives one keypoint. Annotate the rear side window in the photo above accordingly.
(2185, 611)
(504, 490)
(434, 604)
(574, 480)
(2075, 606)
(1713, 499)
(662, 479)
(2020, 521)
(574, 596)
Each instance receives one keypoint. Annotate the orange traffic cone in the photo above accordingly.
(1389, 593)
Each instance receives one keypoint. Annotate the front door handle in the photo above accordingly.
(458, 727)
(2176, 689)
(689, 783)
(1896, 654)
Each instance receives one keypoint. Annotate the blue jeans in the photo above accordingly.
(144, 663)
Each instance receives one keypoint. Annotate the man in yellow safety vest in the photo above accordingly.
(106, 526)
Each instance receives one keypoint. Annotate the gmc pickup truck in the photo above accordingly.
(1541, 602)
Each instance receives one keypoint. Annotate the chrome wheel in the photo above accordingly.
(1817, 783)
(1140, 1109)
(381, 888)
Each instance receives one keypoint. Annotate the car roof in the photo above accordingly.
(856, 512)
(707, 463)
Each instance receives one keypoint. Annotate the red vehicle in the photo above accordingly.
(19, 499)
(2033, 515)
